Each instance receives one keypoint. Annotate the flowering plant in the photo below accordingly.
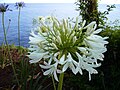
(65, 45)
(4, 8)
(19, 5)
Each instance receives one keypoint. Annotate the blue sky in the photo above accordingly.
(58, 1)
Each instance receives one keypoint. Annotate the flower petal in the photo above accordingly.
(45, 67)
(49, 71)
(65, 67)
(55, 76)
(61, 61)
(72, 67)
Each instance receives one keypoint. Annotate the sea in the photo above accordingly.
(33, 11)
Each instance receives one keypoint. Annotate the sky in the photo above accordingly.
(58, 1)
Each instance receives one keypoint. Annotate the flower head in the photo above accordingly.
(64, 45)
(4, 8)
(19, 5)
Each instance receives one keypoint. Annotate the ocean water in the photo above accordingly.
(31, 11)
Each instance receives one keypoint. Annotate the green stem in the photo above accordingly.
(14, 70)
(19, 26)
(60, 81)
(5, 36)
(7, 30)
(53, 83)
(8, 26)
(3, 48)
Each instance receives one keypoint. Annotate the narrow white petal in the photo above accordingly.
(97, 31)
(75, 63)
(45, 67)
(72, 68)
(84, 22)
(95, 26)
(89, 76)
(50, 60)
(34, 40)
(47, 72)
(105, 37)
(62, 60)
(89, 25)
(69, 58)
(36, 56)
(80, 71)
(65, 67)
(79, 56)
(77, 69)
(55, 76)
(34, 61)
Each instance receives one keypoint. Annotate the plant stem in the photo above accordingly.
(60, 81)
(19, 26)
(8, 26)
(7, 30)
(14, 70)
(5, 36)
(53, 83)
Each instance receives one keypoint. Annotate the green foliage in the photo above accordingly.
(3, 57)
(89, 11)
(23, 72)
(112, 58)
(15, 54)
(103, 15)
(81, 82)
(30, 76)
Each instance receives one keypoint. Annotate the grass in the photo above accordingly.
(30, 76)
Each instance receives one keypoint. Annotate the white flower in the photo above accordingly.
(96, 53)
(85, 63)
(90, 28)
(83, 50)
(65, 45)
(97, 39)
(95, 44)
(70, 63)
(35, 39)
(51, 70)
(36, 57)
